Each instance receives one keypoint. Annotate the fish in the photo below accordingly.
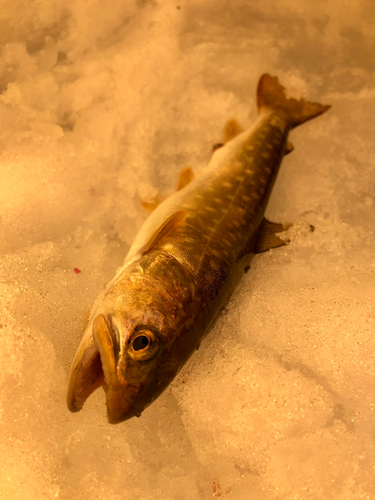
(185, 263)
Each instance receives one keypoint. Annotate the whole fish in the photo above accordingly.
(184, 264)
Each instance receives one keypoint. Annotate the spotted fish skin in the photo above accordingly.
(225, 206)
(184, 265)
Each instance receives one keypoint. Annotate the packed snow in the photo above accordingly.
(101, 105)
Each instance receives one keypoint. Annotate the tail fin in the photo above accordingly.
(271, 95)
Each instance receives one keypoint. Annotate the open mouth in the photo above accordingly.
(95, 366)
(89, 376)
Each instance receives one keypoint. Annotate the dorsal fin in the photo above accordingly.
(173, 221)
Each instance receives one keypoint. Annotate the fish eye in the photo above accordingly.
(141, 342)
(143, 345)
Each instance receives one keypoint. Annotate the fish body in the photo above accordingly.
(184, 265)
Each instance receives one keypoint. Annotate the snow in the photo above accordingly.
(101, 107)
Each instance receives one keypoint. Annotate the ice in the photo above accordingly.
(101, 106)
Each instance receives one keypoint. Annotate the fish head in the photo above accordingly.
(139, 338)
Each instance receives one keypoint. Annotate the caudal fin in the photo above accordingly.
(271, 95)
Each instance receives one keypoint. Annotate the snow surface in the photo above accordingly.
(102, 104)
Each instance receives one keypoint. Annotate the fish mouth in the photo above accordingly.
(95, 366)
(120, 394)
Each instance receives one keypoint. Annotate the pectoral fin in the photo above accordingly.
(151, 205)
(171, 223)
(267, 237)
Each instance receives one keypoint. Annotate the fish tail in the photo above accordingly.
(271, 95)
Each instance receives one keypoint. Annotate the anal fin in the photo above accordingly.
(289, 148)
(267, 237)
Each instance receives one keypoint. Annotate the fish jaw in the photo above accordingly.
(128, 386)
(120, 394)
(119, 404)
(94, 366)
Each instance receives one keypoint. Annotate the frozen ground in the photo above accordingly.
(102, 104)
